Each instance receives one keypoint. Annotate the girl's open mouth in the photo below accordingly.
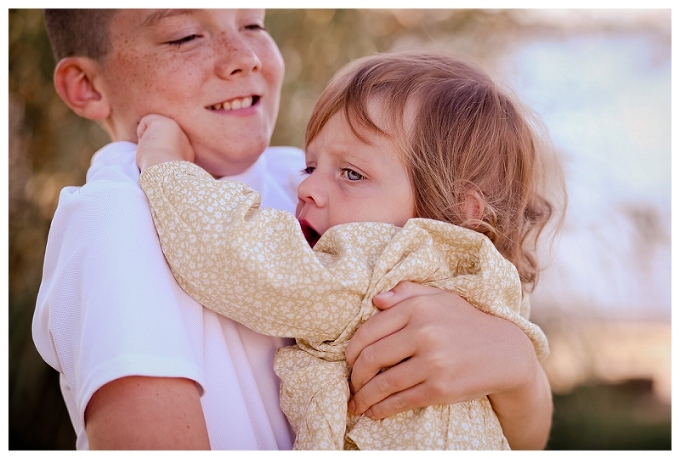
(310, 233)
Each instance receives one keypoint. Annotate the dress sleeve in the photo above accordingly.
(252, 265)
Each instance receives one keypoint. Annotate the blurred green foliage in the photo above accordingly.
(37, 171)
(50, 147)
(624, 416)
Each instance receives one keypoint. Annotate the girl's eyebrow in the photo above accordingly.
(159, 15)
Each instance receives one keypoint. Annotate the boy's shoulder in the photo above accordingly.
(111, 185)
(284, 166)
(284, 156)
(284, 162)
(114, 161)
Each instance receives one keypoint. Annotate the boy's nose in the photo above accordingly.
(309, 191)
(235, 56)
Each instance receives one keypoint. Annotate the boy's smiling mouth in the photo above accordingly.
(235, 104)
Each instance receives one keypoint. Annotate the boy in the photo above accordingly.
(194, 379)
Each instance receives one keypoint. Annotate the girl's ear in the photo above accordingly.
(473, 207)
(76, 80)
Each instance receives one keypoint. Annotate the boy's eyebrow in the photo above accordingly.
(158, 15)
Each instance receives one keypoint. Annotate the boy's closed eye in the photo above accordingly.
(256, 27)
(191, 37)
(183, 40)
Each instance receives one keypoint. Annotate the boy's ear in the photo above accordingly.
(76, 81)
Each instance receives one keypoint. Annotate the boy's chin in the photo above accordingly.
(226, 163)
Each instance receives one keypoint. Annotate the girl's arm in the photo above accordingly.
(252, 265)
(449, 352)
(161, 140)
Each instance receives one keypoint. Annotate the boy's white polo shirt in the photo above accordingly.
(108, 306)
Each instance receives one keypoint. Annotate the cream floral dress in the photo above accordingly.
(255, 266)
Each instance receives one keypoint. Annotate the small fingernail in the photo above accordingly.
(351, 406)
(386, 294)
(369, 413)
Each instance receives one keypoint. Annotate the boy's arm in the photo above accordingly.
(107, 309)
(146, 413)
(526, 413)
(455, 353)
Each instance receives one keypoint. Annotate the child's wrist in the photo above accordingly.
(152, 158)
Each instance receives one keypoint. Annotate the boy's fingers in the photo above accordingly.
(373, 330)
(390, 392)
(387, 321)
(402, 291)
(385, 353)
(408, 399)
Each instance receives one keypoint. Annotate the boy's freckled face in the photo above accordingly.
(218, 73)
(352, 181)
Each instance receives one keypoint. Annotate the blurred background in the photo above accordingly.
(601, 82)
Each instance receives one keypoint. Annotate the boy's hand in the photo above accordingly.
(441, 350)
(161, 140)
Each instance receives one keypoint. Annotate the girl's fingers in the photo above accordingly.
(141, 127)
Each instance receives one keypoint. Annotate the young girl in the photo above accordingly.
(419, 168)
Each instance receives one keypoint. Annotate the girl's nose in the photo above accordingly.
(310, 191)
(235, 56)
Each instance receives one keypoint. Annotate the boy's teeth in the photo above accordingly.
(234, 104)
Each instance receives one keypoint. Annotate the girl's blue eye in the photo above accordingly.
(352, 176)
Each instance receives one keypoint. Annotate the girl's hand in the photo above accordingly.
(161, 140)
(441, 350)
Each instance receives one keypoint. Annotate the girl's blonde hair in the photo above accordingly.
(461, 139)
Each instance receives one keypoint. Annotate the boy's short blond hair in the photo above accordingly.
(79, 32)
(467, 138)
